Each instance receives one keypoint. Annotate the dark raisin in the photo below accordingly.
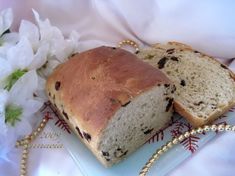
(79, 132)
(213, 106)
(144, 128)
(168, 106)
(137, 52)
(174, 58)
(119, 153)
(35, 95)
(113, 101)
(73, 54)
(199, 103)
(105, 153)
(49, 94)
(196, 51)
(161, 63)
(148, 131)
(125, 153)
(87, 136)
(166, 85)
(173, 89)
(170, 51)
(57, 85)
(66, 115)
(114, 48)
(125, 104)
(182, 83)
(93, 77)
(223, 66)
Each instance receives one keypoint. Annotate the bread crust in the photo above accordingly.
(196, 121)
(93, 85)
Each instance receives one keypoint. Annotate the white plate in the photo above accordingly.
(90, 166)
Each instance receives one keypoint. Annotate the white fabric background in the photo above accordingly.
(207, 25)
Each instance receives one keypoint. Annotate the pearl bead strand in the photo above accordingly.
(176, 140)
(25, 143)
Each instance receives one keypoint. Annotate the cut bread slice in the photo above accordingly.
(205, 88)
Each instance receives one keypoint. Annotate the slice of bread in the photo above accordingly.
(205, 87)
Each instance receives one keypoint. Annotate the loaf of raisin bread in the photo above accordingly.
(112, 100)
(205, 88)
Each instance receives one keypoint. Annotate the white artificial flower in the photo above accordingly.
(21, 58)
(59, 47)
(72, 43)
(6, 18)
(6, 39)
(35, 50)
(5, 68)
(20, 96)
(3, 101)
(29, 31)
(21, 55)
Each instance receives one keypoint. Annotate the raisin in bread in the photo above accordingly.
(205, 88)
(112, 100)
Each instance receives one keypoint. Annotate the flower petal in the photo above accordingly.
(23, 128)
(53, 36)
(40, 57)
(41, 94)
(51, 64)
(5, 68)
(3, 101)
(30, 107)
(30, 31)
(20, 55)
(71, 44)
(7, 143)
(10, 38)
(24, 88)
(6, 18)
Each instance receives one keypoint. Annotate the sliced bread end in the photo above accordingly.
(205, 87)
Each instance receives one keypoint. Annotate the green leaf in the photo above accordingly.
(13, 78)
(12, 114)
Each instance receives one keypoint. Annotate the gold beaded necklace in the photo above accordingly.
(176, 140)
(25, 143)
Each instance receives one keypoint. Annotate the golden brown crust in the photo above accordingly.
(194, 121)
(93, 85)
(198, 122)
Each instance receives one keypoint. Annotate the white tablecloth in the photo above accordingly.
(207, 25)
